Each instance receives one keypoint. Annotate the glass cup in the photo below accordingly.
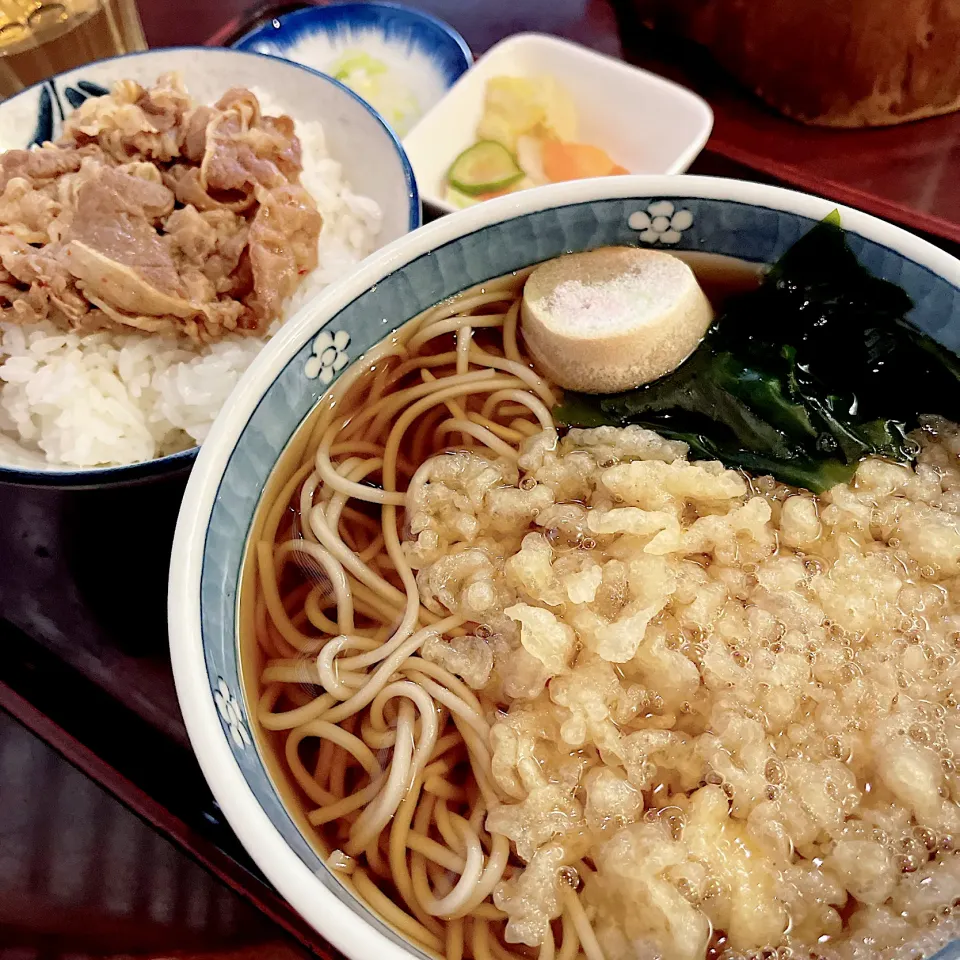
(39, 39)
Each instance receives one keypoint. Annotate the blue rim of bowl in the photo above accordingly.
(332, 8)
(173, 463)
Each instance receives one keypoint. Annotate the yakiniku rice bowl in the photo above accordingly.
(98, 382)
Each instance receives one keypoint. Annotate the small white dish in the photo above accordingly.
(646, 123)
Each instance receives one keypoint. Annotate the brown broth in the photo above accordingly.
(720, 278)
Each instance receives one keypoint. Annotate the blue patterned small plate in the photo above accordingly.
(401, 60)
(745, 220)
(355, 135)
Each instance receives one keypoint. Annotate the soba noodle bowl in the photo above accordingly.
(543, 695)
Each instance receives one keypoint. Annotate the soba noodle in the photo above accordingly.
(401, 778)
(722, 756)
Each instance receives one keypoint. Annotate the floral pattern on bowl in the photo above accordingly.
(50, 110)
(661, 222)
(749, 221)
(329, 356)
(231, 714)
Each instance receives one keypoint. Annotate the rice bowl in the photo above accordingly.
(115, 398)
(81, 408)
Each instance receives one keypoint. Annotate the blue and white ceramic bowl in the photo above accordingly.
(375, 164)
(743, 220)
(407, 59)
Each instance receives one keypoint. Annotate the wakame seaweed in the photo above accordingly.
(801, 377)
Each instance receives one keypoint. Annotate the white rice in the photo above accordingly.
(123, 397)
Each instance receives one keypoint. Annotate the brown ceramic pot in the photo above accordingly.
(838, 63)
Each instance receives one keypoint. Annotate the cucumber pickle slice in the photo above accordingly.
(486, 167)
